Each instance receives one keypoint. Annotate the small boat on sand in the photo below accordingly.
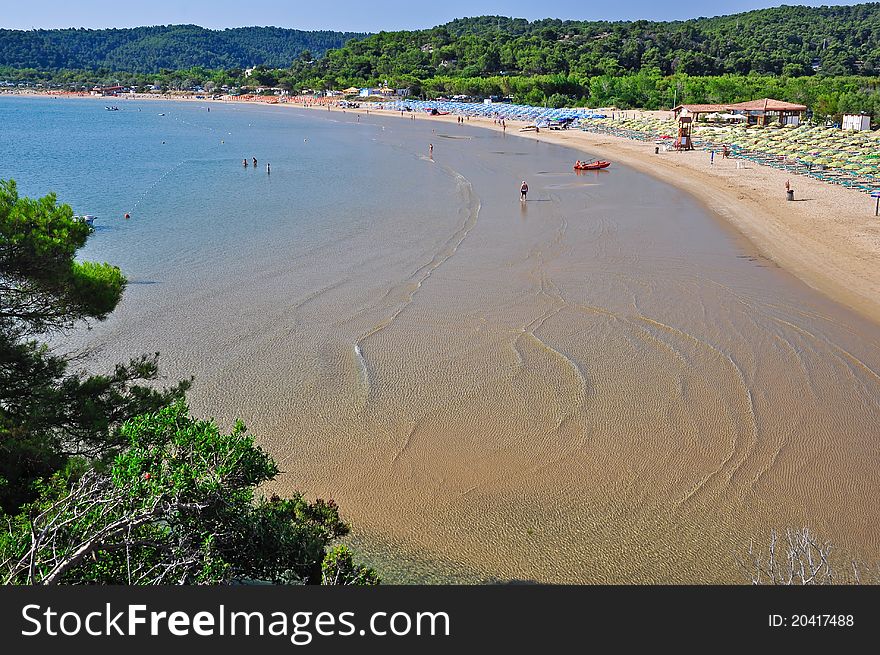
(592, 166)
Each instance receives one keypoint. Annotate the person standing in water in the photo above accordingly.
(255, 162)
(244, 162)
(523, 191)
(268, 169)
(431, 150)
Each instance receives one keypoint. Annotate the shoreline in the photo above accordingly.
(828, 238)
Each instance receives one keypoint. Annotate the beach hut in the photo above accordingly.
(857, 122)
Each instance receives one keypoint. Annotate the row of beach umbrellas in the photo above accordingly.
(507, 111)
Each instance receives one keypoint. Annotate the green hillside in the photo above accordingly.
(150, 49)
(784, 40)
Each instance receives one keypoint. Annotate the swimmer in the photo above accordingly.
(244, 162)
(255, 162)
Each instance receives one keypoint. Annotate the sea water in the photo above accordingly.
(602, 384)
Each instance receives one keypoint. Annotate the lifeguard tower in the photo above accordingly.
(684, 140)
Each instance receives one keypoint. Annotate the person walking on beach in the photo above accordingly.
(523, 191)
(712, 158)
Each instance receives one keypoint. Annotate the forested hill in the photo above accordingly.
(150, 49)
(789, 40)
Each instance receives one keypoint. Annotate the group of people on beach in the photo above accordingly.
(244, 162)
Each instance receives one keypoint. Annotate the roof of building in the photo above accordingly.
(767, 104)
(700, 109)
(764, 104)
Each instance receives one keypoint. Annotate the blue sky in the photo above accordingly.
(352, 15)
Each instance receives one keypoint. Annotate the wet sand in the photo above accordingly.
(604, 384)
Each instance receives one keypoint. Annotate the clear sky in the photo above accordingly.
(349, 15)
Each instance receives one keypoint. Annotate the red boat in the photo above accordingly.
(592, 166)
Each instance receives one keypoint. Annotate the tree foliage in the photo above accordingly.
(791, 41)
(150, 49)
(49, 414)
(824, 57)
(103, 480)
(177, 506)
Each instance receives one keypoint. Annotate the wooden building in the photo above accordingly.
(767, 111)
(756, 112)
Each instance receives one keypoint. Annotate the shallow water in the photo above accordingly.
(602, 384)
